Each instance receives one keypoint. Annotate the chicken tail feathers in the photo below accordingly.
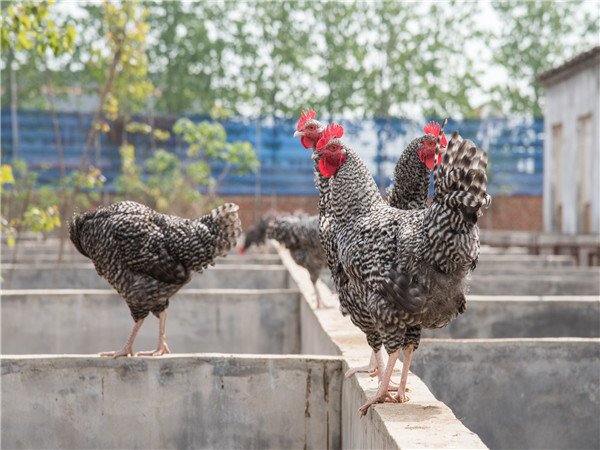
(462, 179)
(225, 226)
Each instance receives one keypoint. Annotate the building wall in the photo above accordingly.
(507, 212)
(568, 101)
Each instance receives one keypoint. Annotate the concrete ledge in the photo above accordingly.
(530, 284)
(518, 393)
(90, 321)
(506, 316)
(424, 422)
(84, 276)
(176, 401)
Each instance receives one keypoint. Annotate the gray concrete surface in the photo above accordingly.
(522, 316)
(176, 401)
(87, 322)
(530, 284)
(518, 393)
(84, 276)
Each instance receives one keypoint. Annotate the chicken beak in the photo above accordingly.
(298, 133)
(315, 155)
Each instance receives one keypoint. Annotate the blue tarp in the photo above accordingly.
(515, 149)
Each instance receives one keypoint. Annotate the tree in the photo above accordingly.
(535, 36)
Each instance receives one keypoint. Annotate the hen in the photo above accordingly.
(257, 234)
(147, 257)
(411, 265)
(300, 235)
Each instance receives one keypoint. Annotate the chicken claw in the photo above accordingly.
(381, 398)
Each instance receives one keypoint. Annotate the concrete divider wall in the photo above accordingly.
(505, 316)
(518, 393)
(84, 276)
(220, 320)
(176, 401)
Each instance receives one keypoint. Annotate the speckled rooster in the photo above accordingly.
(411, 265)
(147, 257)
(300, 235)
(410, 191)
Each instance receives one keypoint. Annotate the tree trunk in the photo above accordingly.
(13, 106)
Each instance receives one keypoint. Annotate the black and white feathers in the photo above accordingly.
(146, 256)
(300, 235)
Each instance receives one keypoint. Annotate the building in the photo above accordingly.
(571, 203)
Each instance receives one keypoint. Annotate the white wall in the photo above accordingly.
(566, 102)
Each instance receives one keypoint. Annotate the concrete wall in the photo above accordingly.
(533, 284)
(519, 316)
(84, 322)
(518, 393)
(84, 276)
(176, 401)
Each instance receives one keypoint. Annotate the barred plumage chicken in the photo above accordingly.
(410, 266)
(300, 235)
(410, 191)
(147, 257)
(257, 234)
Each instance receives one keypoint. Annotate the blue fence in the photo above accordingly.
(515, 149)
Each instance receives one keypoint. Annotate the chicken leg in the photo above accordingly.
(407, 355)
(127, 348)
(373, 369)
(383, 393)
(162, 347)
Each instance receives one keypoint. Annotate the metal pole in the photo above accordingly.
(257, 178)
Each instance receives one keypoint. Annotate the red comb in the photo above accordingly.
(330, 132)
(434, 128)
(306, 115)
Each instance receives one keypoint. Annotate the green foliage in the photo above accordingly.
(169, 184)
(18, 215)
(375, 58)
(26, 25)
(535, 36)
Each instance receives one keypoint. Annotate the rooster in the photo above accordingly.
(411, 183)
(410, 266)
(147, 257)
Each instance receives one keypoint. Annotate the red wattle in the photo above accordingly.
(307, 142)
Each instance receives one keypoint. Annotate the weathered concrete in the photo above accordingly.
(84, 276)
(511, 260)
(528, 284)
(518, 393)
(522, 316)
(176, 401)
(90, 321)
(424, 422)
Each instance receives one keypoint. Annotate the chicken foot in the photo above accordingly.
(162, 347)
(373, 369)
(383, 394)
(127, 349)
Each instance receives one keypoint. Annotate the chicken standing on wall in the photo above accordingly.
(300, 235)
(412, 264)
(256, 235)
(147, 257)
